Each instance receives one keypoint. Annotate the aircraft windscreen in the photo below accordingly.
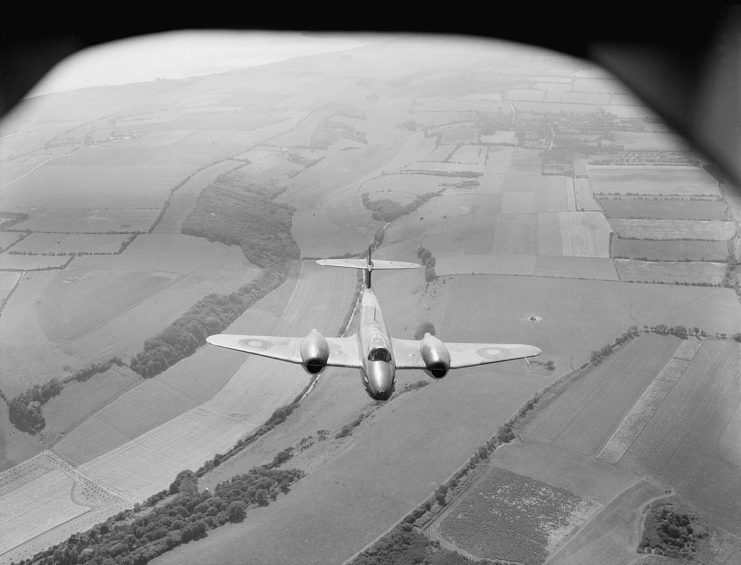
(169, 188)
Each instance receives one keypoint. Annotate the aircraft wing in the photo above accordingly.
(343, 351)
(407, 354)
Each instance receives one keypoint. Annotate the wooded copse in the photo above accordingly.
(137, 536)
(24, 410)
(262, 229)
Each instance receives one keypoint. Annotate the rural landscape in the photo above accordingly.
(545, 205)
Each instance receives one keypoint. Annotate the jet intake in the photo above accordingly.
(314, 352)
(435, 356)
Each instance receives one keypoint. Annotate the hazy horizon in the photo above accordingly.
(182, 54)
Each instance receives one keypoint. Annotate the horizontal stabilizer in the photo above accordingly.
(376, 264)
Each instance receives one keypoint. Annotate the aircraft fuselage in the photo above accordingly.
(375, 348)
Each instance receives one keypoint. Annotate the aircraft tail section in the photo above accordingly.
(368, 265)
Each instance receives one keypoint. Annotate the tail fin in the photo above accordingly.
(368, 265)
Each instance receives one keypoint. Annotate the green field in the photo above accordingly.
(512, 517)
(713, 230)
(583, 417)
(669, 250)
(671, 272)
(612, 536)
(516, 234)
(78, 400)
(578, 316)
(652, 180)
(664, 209)
(687, 442)
(8, 238)
(10, 262)
(82, 300)
(89, 220)
(8, 280)
(62, 243)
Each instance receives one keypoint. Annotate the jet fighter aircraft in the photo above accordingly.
(372, 349)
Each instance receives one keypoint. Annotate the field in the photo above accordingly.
(78, 400)
(406, 185)
(178, 270)
(648, 141)
(469, 154)
(10, 262)
(96, 186)
(652, 180)
(459, 134)
(62, 243)
(664, 209)
(22, 506)
(564, 422)
(585, 201)
(715, 230)
(324, 506)
(639, 415)
(445, 169)
(669, 250)
(511, 264)
(515, 234)
(47, 486)
(582, 474)
(514, 517)
(8, 280)
(584, 234)
(527, 265)
(688, 440)
(518, 203)
(106, 305)
(612, 536)
(82, 300)
(597, 268)
(8, 238)
(549, 235)
(89, 220)
(670, 272)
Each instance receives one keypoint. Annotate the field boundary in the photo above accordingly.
(12, 290)
(644, 408)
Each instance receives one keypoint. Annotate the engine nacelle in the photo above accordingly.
(435, 355)
(314, 352)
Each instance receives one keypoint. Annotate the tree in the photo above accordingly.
(440, 495)
(237, 511)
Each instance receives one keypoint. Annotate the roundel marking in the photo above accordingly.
(256, 343)
(490, 352)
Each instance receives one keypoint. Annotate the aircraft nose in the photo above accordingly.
(381, 378)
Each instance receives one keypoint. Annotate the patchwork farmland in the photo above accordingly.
(510, 209)
(606, 460)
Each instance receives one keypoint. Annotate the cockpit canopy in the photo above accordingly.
(378, 349)
(379, 354)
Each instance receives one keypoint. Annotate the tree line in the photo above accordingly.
(210, 315)
(425, 255)
(24, 410)
(262, 229)
(387, 210)
(136, 536)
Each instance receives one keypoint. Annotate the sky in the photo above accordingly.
(181, 54)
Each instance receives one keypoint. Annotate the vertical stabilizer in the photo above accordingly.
(368, 268)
